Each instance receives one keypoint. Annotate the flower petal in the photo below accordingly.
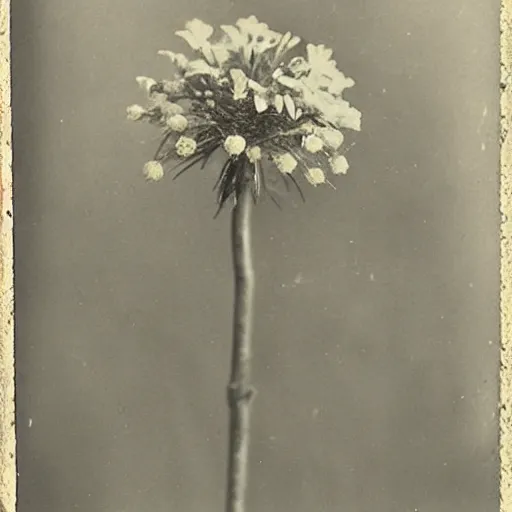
(239, 84)
(290, 105)
(189, 38)
(260, 104)
(279, 102)
(199, 28)
(234, 34)
(146, 82)
(201, 67)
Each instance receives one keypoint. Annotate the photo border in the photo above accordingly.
(8, 474)
(505, 409)
(7, 378)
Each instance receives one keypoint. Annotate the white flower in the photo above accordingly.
(334, 110)
(185, 146)
(324, 74)
(177, 123)
(313, 144)
(259, 37)
(157, 99)
(286, 43)
(240, 81)
(178, 59)
(315, 176)
(252, 36)
(196, 35)
(146, 83)
(201, 67)
(171, 109)
(234, 145)
(339, 164)
(286, 163)
(173, 86)
(254, 154)
(153, 170)
(333, 138)
(135, 112)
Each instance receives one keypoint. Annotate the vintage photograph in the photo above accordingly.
(257, 255)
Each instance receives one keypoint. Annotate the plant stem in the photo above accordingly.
(240, 392)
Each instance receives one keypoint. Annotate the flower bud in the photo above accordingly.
(135, 112)
(234, 145)
(186, 146)
(313, 144)
(315, 176)
(254, 154)
(286, 163)
(177, 123)
(333, 138)
(339, 164)
(153, 170)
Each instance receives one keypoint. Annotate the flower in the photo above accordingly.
(313, 144)
(339, 164)
(286, 163)
(146, 83)
(177, 123)
(153, 170)
(330, 136)
(254, 154)
(240, 81)
(315, 176)
(197, 34)
(170, 109)
(235, 145)
(178, 59)
(135, 112)
(251, 36)
(173, 87)
(186, 146)
(242, 90)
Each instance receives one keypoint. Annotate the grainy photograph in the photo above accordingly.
(257, 253)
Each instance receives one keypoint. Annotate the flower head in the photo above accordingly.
(185, 146)
(315, 176)
(313, 144)
(234, 145)
(177, 123)
(339, 164)
(135, 112)
(153, 170)
(254, 154)
(285, 163)
(242, 91)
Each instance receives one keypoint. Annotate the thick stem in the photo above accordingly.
(240, 391)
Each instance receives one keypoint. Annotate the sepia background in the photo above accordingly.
(376, 337)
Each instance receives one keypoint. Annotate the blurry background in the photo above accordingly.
(376, 338)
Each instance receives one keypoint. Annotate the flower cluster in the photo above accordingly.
(246, 93)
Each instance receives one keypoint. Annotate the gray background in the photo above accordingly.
(377, 316)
